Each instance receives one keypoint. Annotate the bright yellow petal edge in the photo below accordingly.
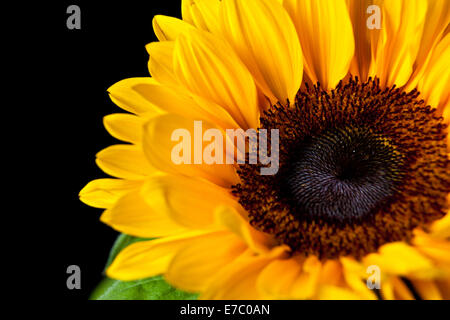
(224, 63)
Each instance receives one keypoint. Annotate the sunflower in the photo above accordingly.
(364, 169)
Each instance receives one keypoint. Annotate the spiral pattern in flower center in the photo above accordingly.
(343, 174)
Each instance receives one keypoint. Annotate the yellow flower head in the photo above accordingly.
(356, 111)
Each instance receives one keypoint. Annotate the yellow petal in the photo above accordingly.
(401, 291)
(202, 13)
(124, 161)
(186, 11)
(306, 285)
(131, 215)
(238, 280)
(393, 288)
(433, 86)
(256, 240)
(160, 62)
(149, 258)
(427, 289)
(328, 292)
(365, 39)
(168, 28)
(326, 37)
(158, 147)
(355, 276)
(397, 48)
(178, 101)
(441, 227)
(188, 201)
(295, 279)
(122, 94)
(285, 272)
(266, 41)
(436, 20)
(444, 287)
(208, 67)
(387, 289)
(434, 247)
(401, 259)
(104, 193)
(331, 273)
(193, 267)
(125, 127)
(238, 283)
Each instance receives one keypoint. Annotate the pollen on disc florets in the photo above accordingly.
(360, 166)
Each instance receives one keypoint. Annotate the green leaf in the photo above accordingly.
(154, 288)
(122, 241)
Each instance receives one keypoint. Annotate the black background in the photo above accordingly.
(82, 64)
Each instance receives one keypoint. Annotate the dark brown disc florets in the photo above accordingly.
(360, 166)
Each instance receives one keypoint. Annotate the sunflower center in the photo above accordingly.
(343, 174)
(359, 166)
